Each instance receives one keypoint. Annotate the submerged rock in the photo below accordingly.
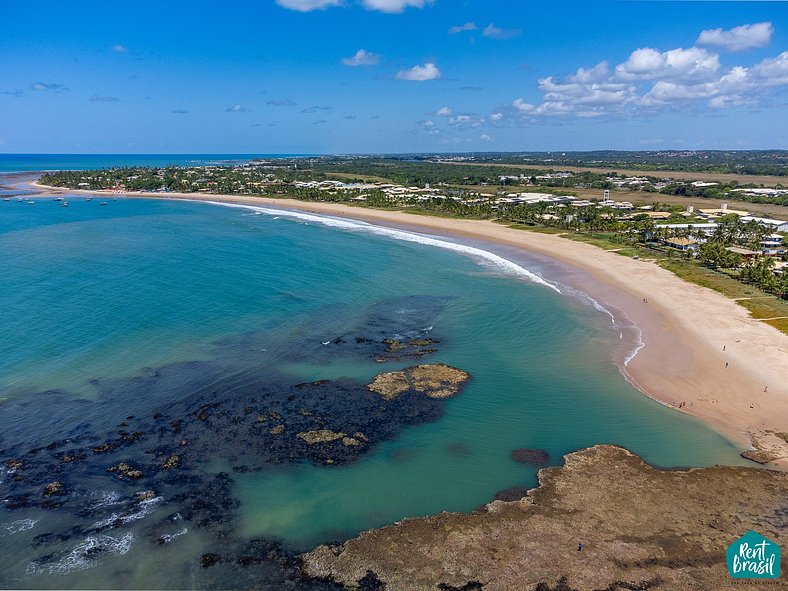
(321, 436)
(531, 456)
(640, 528)
(54, 488)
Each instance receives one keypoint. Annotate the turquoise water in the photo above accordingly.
(91, 294)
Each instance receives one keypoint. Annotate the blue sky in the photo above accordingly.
(340, 76)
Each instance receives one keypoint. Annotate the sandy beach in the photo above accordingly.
(702, 350)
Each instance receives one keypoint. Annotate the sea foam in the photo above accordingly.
(488, 258)
(497, 262)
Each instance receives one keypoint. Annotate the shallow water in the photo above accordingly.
(110, 307)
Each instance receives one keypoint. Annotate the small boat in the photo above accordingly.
(58, 199)
(103, 203)
(89, 199)
(31, 202)
(64, 204)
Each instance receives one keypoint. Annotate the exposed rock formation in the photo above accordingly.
(640, 527)
(434, 381)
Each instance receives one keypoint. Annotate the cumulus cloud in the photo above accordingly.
(118, 48)
(650, 79)
(308, 5)
(44, 87)
(494, 32)
(362, 58)
(684, 64)
(444, 112)
(462, 28)
(738, 38)
(428, 71)
(485, 138)
(522, 106)
(103, 99)
(236, 108)
(394, 6)
(390, 6)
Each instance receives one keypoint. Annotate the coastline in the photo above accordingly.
(684, 326)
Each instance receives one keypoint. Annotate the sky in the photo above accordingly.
(391, 76)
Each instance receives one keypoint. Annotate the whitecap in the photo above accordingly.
(85, 555)
(19, 525)
(498, 262)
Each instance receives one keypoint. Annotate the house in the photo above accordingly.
(773, 245)
(775, 225)
(745, 253)
(705, 228)
(683, 244)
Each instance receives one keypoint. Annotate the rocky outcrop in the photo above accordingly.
(434, 381)
(640, 528)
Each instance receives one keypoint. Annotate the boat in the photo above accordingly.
(64, 204)
(103, 203)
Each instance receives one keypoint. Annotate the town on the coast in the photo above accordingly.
(732, 225)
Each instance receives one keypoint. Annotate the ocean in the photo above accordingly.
(143, 330)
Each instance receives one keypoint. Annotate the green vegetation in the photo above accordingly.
(749, 162)
(716, 261)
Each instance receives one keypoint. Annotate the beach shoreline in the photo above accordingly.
(703, 354)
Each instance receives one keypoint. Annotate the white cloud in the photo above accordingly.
(650, 64)
(444, 112)
(496, 117)
(308, 5)
(389, 6)
(773, 71)
(738, 38)
(494, 32)
(428, 71)
(522, 106)
(43, 87)
(427, 123)
(236, 108)
(118, 48)
(394, 6)
(599, 72)
(362, 58)
(462, 28)
(485, 138)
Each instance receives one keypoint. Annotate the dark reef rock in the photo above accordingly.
(140, 453)
(532, 457)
